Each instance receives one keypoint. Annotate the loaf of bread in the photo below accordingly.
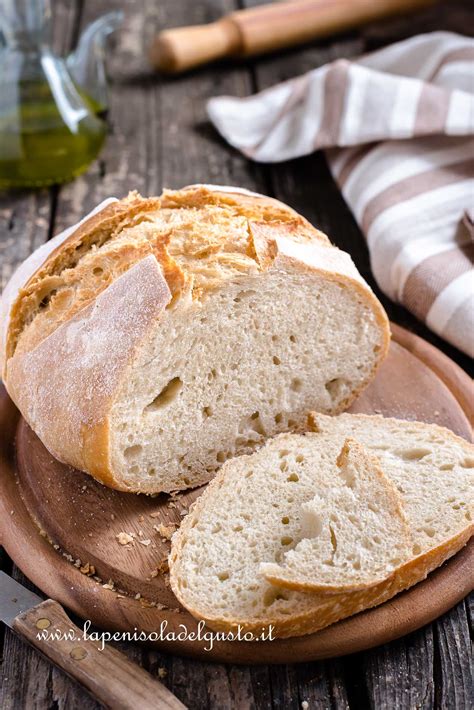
(163, 336)
(248, 554)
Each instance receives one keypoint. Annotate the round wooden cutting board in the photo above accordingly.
(61, 527)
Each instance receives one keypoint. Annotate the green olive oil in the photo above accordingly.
(42, 145)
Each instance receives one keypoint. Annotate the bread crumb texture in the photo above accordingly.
(354, 532)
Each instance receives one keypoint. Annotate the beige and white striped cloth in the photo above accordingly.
(398, 127)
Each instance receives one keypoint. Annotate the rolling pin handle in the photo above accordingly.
(266, 28)
(182, 48)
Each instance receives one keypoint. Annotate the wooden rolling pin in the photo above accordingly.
(267, 28)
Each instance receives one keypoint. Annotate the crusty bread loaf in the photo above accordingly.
(252, 513)
(165, 335)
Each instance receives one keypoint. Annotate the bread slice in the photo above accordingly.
(252, 513)
(354, 533)
(166, 335)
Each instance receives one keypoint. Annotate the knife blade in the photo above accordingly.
(107, 674)
(14, 599)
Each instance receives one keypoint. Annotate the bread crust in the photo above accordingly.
(31, 362)
(70, 411)
(22, 294)
(29, 295)
(24, 273)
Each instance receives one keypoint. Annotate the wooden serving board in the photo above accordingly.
(52, 516)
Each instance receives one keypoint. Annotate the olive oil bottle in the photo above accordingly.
(39, 145)
(50, 129)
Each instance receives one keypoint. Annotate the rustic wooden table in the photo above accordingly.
(160, 136)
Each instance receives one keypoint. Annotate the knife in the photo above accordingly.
(107, 674)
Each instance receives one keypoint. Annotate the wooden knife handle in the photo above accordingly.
(108, 675)
(267, 28)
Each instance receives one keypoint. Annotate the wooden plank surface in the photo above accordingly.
(160, 137)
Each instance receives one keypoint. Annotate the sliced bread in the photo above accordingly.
(354, 533)
(252, 513)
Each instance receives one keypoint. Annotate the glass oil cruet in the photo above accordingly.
(51, 110)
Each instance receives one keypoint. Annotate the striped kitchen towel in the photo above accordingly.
(398, 128)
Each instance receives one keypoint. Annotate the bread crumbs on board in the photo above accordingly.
(163, 567)
(166, 531)
(124, 538)
(87, 569)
